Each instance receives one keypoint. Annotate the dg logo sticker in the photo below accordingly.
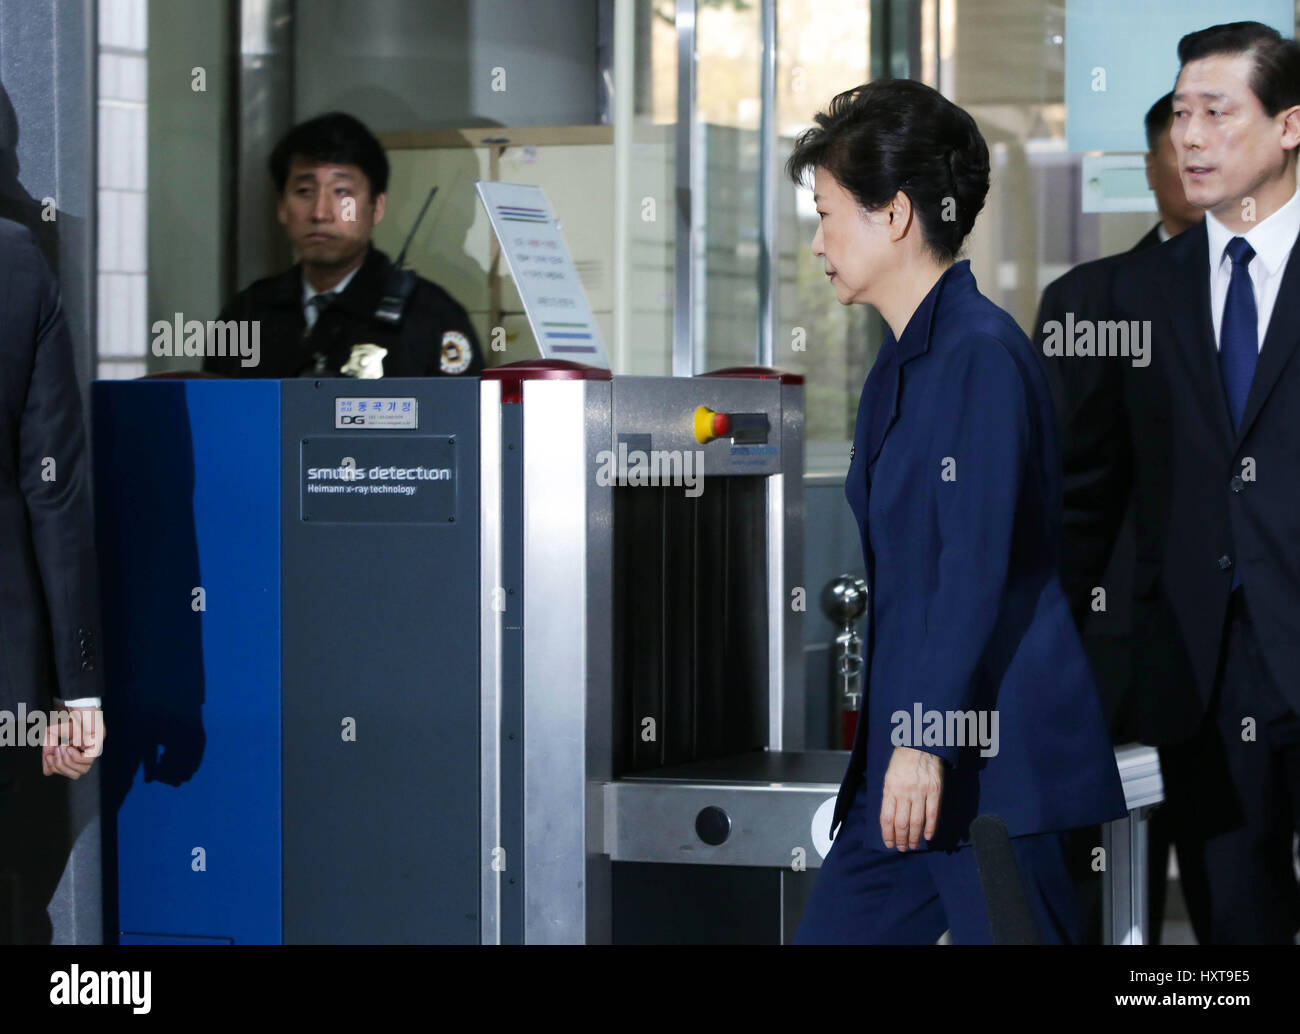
(455, 352)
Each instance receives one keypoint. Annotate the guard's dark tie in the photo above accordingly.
(1238, 340)
(319, 302)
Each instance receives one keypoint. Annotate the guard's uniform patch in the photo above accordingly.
(456, 352)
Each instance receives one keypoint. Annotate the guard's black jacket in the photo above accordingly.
(435, 337)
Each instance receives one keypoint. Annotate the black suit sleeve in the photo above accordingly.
(55, 482)
(476, 364)
(444, 316)
(1096, 453)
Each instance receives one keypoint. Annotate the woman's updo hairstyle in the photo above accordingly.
(898, 134)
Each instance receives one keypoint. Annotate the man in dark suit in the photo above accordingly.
(1081, 385)
(1205, 440)
(49, 607)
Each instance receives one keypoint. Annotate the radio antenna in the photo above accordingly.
(401, 258)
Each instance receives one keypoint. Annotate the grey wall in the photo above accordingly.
(417, 64)
(47, 150)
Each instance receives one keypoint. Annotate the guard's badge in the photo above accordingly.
(456, 352)
(366, 362)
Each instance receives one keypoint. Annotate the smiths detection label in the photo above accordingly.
(371, 412)
(378, 479)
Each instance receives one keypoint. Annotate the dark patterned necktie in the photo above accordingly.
(1238, 340)
(319, 302)
(1239, 331)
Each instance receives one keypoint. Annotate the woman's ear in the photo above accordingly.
(900, 216)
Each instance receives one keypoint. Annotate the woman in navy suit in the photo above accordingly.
(979, 699)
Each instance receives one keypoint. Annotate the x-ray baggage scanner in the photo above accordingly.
(516, 660)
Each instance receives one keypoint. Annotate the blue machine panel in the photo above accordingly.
(380, 647)
(187, 479)
(240, 601)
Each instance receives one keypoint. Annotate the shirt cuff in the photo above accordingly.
(79, 702)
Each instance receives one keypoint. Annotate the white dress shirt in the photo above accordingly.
(1272, 238)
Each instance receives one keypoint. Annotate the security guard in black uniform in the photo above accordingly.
(318, 319)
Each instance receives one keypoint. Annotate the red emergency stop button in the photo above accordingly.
(710, 425)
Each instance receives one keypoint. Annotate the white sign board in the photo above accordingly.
(544, 272)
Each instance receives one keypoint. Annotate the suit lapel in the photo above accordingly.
(1187, 291)
(1279, 342)
(1150, 239)
(882, 400)
(888, 372)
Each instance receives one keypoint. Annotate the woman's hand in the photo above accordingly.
(913, 786)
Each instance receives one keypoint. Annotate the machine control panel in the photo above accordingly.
(725, 426)
(742, 428)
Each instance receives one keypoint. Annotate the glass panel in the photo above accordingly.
(823, 48)
(728, 45)
(1004, 62)
(652, 234)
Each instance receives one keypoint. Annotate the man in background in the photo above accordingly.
(319, 319)
(1203, 447)
(1084, 386)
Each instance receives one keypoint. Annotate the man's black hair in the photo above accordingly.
(1275, 78)
(336, 139)
(1158, 118)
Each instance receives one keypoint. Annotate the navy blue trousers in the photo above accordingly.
(865, 896)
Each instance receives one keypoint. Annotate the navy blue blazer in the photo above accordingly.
(955, 481)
